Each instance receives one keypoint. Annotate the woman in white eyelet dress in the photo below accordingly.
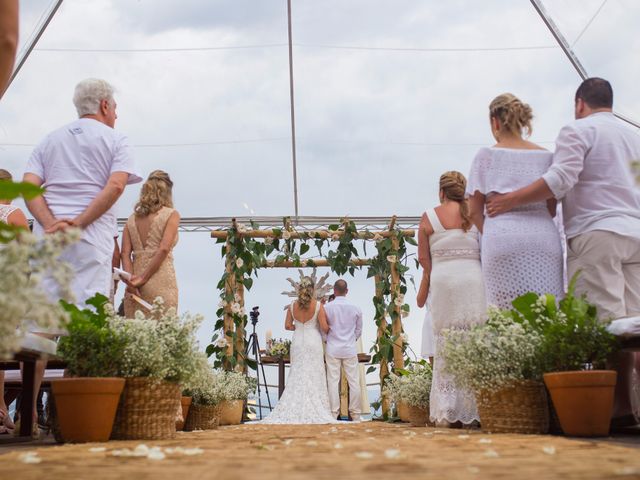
(305, 399)
(451, 259)
(521, 250)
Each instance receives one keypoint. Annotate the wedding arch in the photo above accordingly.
(248, 248)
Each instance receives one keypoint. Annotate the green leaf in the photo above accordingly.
(10, 190)
(304, 248)
(248, 283)
(411, 241)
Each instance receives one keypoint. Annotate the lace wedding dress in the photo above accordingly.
(305, 398)
(521, 249)
(458, 301)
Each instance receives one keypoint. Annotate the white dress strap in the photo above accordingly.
(291, 310)
(435, 221)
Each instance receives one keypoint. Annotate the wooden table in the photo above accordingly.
(28, 358)
(281, 362)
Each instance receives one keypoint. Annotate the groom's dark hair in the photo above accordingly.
(340, 287)
(595, 92)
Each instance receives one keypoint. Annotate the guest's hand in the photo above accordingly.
(137, 281)
(499, 203)
(131, 291)
(60, 225)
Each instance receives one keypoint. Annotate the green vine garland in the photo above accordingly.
(245, 255)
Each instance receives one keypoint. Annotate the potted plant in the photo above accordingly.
(185, 404)
(575, 347)
(500, 362)
(206, 397)
(412, 387)
(235, 388)
(161, 354)
(86, 401)
(393, 386)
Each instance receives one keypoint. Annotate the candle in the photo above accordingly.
(268, 336)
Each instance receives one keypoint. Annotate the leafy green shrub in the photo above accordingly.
(91, 348)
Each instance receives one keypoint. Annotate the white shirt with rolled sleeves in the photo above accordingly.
(345, 327)
(75, 163)
(592, 174)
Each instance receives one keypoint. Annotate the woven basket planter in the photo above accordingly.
(418, 416)
(519, 408)
(231, 412)
(202, 417)
(147, 410)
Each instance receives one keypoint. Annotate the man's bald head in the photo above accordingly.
(340, 288)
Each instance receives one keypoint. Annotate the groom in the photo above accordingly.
(345, 327)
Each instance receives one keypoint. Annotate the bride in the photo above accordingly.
(305, 398)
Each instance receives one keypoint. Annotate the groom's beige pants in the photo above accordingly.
(333, 384)
(610, 277)
(610, 272)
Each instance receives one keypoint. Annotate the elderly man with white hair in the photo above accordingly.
(84, 166)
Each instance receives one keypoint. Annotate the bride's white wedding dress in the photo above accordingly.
(305, 398)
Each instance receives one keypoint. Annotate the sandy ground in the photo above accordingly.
(367, 450)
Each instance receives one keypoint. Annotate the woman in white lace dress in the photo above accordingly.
(521, 250)
(11, 215)
(449, 252)
(305, 398)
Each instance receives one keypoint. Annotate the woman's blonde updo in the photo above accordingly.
(305, 292)
(513, 115)
(155, 194)
(453, 186)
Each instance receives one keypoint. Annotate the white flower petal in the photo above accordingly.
(364, 455)
(491, 454)
(392, 453)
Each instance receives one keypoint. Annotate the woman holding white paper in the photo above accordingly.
(149, 237)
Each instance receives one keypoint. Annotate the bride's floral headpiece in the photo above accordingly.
(308, 287)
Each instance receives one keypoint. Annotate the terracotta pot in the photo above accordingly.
(185, 403)
(231, 412)
(403, 411)
(86, 407)
(583, 400)
(418, 416)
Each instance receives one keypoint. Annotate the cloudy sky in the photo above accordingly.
(388, 95)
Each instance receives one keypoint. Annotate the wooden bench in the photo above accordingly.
(34, 348)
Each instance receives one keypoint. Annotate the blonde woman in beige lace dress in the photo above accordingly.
(149, 237)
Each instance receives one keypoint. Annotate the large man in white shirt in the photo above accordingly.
(592, 174)
(84, 166)
(345, 327)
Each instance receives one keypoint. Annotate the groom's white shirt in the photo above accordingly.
(345, 327)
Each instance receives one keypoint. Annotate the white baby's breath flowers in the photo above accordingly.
(22, 265)
(391, 258)
(235, 307)
(239, 262)
(222, 342)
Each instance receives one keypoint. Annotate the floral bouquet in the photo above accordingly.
(278, 347)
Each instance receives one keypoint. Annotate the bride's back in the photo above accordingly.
(306, 314)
